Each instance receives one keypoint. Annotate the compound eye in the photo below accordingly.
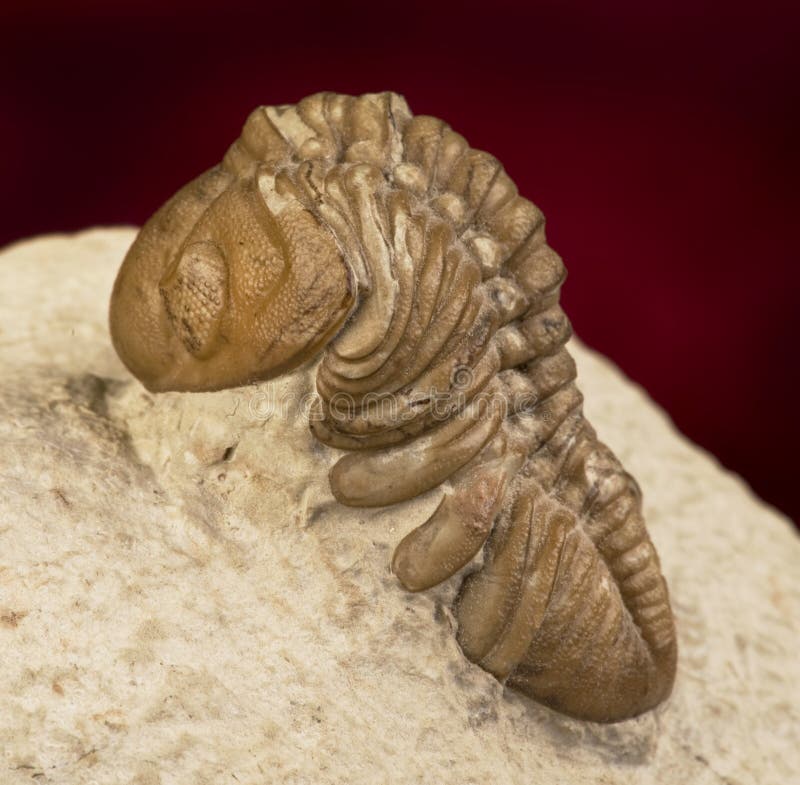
(195, 293)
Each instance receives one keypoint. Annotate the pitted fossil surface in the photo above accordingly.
(348, 227)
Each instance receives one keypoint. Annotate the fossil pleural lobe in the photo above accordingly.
(347, 226)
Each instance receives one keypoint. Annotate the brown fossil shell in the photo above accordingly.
(348, 226)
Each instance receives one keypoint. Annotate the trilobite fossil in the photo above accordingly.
(346, 226)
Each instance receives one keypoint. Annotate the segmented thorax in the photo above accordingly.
(456, 283)
(452, 369)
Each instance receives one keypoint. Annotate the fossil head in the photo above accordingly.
(228, 283)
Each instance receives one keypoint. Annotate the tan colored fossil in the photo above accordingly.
(348, 226)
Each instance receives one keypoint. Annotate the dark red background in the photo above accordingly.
(660, 138)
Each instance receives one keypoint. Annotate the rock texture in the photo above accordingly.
(183, 601)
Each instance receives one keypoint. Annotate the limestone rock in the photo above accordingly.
(183, 601)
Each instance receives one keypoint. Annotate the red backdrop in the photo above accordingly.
(660, 138)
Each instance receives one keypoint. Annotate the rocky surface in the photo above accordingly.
(182, 600)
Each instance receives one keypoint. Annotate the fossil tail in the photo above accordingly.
(572, 610)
